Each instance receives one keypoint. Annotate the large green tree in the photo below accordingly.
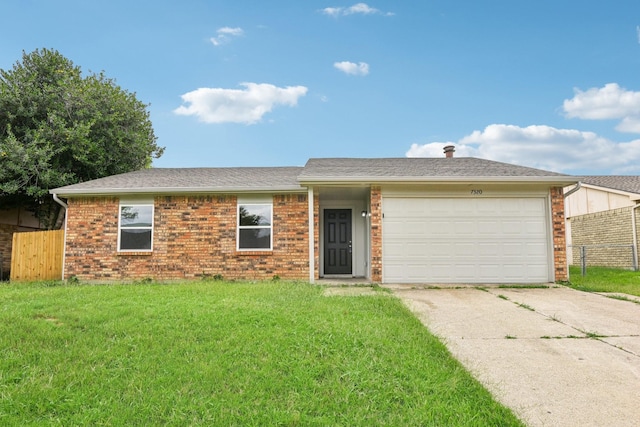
(60, 127)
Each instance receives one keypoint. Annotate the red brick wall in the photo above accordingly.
(376, 234)
(193, 236)
(316, 234)
(559, 236)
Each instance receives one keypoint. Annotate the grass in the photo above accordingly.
(526, 306)
(555, 318)
(217, 353)
(602, 279)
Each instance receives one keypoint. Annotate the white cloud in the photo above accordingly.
(543, 147)
(608, 102)
(248, 105)
(358, 8)
(225, 34)
(361, 8)
(359, 69)
(332, 11)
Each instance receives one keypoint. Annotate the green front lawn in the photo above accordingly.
(216, 353)
(602, 279)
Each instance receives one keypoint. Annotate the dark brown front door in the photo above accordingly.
(337, 241)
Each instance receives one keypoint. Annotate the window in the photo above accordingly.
(254, 226)
(135, 228)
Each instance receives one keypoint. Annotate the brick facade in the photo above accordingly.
(613, 228)
(194, 236)
(559, 236)
(316, 234)
(376, 234)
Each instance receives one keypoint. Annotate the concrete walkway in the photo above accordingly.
(556, 356)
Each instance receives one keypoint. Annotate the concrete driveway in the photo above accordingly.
(556, 356)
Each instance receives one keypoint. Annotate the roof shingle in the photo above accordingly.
(166, 180)
(628, 183)
(345, 170)
(417, 167)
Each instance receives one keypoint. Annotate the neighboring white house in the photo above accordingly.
(603, 216)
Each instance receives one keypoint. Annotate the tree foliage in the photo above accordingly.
(58, 127)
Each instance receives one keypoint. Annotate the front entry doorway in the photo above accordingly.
(338, 246)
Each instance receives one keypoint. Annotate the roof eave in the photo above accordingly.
(557, 180)
(173, 190)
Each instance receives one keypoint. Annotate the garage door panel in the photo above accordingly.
(416, 271)
(489, 227)
(438, 227)
(536, 249)
(439, 248)
(462, 227)
(514, 249)
(394, 227)
(463, 250)
(440, 209)
(512, 227)
(416, 251)
(489, 250)
(440, 271)
(463, 272)
(512, 271)
(536, 227)
(465, 240)
(533, 205)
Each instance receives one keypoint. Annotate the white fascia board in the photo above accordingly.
(443, 180)
(174, 191)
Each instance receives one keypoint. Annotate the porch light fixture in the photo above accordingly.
(364, 214)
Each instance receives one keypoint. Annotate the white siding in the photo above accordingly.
(589, 200)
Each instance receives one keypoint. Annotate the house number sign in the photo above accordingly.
(476, 192)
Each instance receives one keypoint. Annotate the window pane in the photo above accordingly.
(252, 238)
(255, 215)
(135, 239)
(136, 216)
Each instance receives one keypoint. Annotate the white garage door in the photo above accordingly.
(465, 240)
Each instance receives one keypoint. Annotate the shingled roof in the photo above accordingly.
(628, 183)
(190, 180)
(329, 170)
(421, 169)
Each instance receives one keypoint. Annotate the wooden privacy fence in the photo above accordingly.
(37, 255)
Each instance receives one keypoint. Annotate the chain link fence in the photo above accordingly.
(613, 256)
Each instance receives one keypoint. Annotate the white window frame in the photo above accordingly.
(253, 227)
(151, 228)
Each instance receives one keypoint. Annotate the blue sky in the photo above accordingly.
(549, 84)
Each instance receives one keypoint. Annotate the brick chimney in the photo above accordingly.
(448, 151)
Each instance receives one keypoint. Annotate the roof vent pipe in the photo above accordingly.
(448, 151)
